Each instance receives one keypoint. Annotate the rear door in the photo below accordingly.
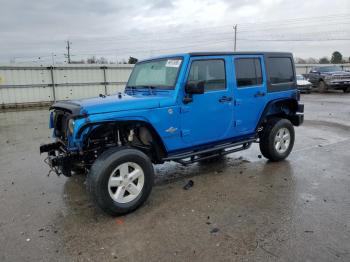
(249, 92)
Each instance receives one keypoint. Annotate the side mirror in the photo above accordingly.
(195, 88)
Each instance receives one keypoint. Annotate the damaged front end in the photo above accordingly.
(58, 158)
(61, 160)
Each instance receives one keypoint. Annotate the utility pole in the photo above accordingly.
(53, 59)
(68, 51)
(235, 28)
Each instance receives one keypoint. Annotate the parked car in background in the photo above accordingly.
(330, 78)
(303, 84)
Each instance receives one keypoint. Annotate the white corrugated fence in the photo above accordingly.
(35, 85)
(25, 85)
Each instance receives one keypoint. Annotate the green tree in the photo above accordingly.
(324, 60)
(337, 57)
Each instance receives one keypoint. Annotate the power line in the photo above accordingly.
(199, 43)
(245, 28)
(198, 35)
(296, 40)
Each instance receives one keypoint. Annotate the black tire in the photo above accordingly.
(322, 87)
(268, 135)
(346, 89)
(101, 171)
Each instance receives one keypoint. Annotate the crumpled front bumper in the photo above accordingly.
(58, 159)
(50, 147)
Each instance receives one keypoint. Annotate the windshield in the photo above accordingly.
(330, 69)
(300, 77)
(160, 73)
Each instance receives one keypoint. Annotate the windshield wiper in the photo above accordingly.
(149, 87)
(132, 88)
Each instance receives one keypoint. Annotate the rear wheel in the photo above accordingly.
(322, 87)
(277, 139)
(121, 180)
(346, 89)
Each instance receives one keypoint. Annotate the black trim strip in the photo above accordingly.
(208, 150)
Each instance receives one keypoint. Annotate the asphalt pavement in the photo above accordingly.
(242, 208)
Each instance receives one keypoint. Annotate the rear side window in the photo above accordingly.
(248, 72)
(280, 70)
(211, 72)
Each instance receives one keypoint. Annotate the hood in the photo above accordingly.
(113, 103)
(303, 82)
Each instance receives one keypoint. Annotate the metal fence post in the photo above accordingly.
(104, 78)
(53, 83)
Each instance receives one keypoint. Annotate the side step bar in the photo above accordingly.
(224, 149)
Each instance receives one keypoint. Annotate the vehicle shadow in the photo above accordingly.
(253, 210)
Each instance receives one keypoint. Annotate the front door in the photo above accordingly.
(250, 92)
(209, 116)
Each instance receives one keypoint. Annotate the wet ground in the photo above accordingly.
(241, 209)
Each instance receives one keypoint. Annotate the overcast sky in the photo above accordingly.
(118, 29)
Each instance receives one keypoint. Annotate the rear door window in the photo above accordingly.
(248, 72)
(280, 70)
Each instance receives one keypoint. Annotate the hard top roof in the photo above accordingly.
(221, 53)
(240, 53)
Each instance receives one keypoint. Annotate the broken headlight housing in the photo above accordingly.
(71, 124)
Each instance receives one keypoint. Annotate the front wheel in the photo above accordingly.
(322, 87)
(121, 180)
(277, 139)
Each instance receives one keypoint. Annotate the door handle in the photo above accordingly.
(225, 99)
(259, 94)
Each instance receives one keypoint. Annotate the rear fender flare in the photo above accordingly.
(279, 107)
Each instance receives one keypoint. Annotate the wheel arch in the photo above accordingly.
(86, 130)
(283, 108)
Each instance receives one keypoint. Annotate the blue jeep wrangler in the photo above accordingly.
(184, 108)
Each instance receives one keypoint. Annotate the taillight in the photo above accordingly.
(298, 95)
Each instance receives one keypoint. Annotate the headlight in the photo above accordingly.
(328, 77)
(71, 126)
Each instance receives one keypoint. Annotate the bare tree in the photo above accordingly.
(91, 60)
(299, 60)
(312, 60)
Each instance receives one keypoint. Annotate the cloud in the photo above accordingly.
(117, 29)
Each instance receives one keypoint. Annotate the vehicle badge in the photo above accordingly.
(171, 130)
